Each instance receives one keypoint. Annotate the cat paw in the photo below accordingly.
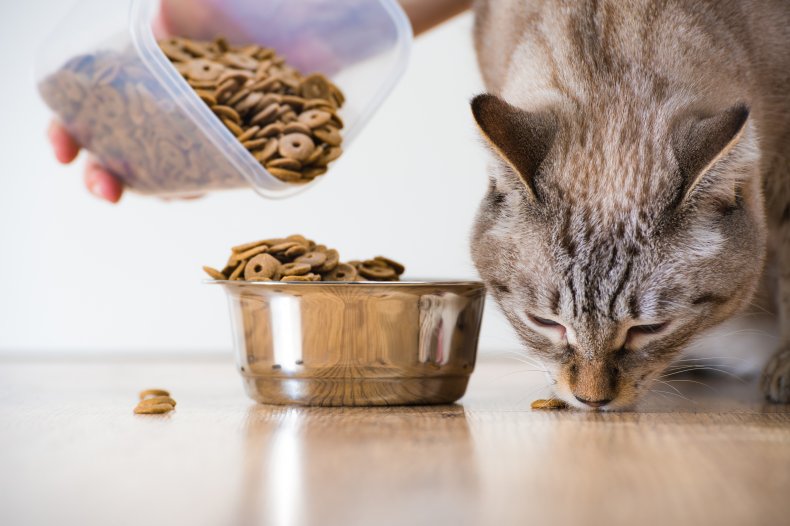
(776, 377)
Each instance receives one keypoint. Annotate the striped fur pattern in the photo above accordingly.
(640, 177)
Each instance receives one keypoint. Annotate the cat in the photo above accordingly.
(640, 179)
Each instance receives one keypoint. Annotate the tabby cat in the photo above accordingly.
(640, 184)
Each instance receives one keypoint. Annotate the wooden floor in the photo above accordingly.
(72, 452)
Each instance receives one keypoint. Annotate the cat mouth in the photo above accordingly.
(611, 407)
(618, 403)
(608, 408)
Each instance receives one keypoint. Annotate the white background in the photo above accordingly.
(79, 274)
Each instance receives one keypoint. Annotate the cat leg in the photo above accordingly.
(776, 376)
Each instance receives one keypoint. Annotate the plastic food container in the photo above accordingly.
(355, 343)
(103, 74)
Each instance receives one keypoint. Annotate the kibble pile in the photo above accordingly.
(154, 402)
(296, 258)
(288, 121)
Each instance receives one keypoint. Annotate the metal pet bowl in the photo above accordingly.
(355, 343)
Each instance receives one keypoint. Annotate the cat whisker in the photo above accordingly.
(653, 390)
(708, 358)
(523, 354)
(660, 393)
(680, 306)
(532, 392)
(669, 385)
(760, 308)
(703, 368)
(520, 371)
(690, 367)
(520, 360)
(750, 331)
(697, 366)
(701, 365)
(694, 382)
(525, 360)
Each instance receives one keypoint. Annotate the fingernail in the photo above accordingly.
(97, 188)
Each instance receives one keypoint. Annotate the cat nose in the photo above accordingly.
(593, 403)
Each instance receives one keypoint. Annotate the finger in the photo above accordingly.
(64, 145)
(185, 17)
(102, 183)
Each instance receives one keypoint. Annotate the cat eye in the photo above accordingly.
(554, 327)
(647, 330)
(543, 321)
(501, 287)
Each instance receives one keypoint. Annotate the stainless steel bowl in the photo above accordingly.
(356, 343)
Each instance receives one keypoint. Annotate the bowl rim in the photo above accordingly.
(410, 283)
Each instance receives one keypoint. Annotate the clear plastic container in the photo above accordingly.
(103, 74)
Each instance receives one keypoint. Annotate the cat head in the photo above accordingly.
(609, 244)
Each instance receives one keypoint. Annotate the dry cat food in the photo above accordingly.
(296, 258)
(116, 108)
(287, 121)
(551, 403)
(154, 402)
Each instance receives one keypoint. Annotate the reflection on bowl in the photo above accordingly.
(357, 343)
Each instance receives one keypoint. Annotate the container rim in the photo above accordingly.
(380, 284)
(257, 176)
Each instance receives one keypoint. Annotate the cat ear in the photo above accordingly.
(521, 138)
(699, 142)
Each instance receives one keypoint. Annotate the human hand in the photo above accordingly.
(99, 181)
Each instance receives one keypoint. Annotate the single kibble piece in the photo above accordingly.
(314, 259)
(214, 273)
(262, 266)
(371, 269)
(157, 409)
(155, 400)
(342, 272)
(551, 403)
(153, 392)
(295, 269)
